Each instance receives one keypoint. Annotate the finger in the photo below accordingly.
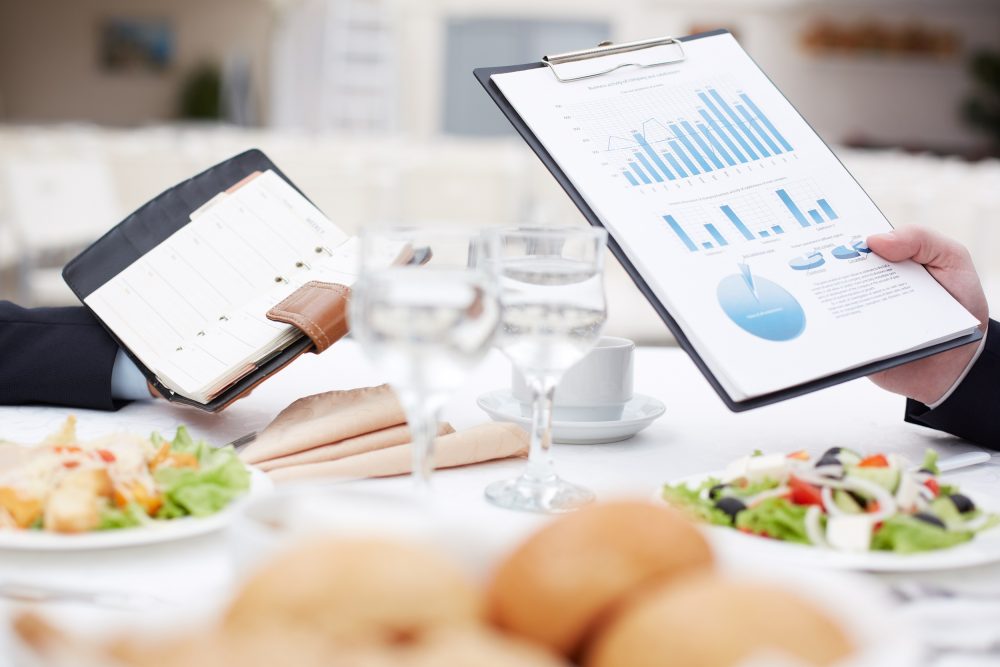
(921, 245)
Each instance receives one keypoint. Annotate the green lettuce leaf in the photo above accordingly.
(777, 518)
(221, 478)
(906, 535)
(114, 518)
(752, 488)
(689, 501)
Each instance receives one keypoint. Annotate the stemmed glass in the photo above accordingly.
(553, 310)
(424, 324)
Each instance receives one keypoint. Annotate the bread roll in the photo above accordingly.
(711, 621)
(567, 577)
(283, 647)
(355, 592)
(471, 648)
(467, 647)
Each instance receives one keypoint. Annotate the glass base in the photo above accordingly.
(549, 496)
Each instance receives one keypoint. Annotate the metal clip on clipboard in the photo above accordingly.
(607, 57)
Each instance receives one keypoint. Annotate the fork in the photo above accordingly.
(242, 441)
(114, 599)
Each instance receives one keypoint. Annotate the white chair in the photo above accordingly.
(57, 206)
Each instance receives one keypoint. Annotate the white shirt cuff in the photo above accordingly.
(953, 387)
(127, 382)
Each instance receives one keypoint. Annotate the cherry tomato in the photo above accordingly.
(804, 493)
(876, 461)
(933, 485)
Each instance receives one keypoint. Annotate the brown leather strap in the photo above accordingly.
(318, 309)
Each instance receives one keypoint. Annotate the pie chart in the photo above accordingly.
(851, 250)
(806, 262)
(761, 307)
(845, 252)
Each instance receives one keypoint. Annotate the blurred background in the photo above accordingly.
(371, 108)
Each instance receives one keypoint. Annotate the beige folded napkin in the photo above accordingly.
(386, 437)
(363, 433)
(485, 442)
(326, 418)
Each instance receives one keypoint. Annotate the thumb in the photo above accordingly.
(921, 245)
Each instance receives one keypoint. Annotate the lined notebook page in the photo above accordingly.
(193, 309)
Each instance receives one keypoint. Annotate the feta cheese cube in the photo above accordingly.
(849, 532)
(736, 469)
(770, 466)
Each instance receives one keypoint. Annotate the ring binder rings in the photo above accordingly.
(579, 65)
(603, 60)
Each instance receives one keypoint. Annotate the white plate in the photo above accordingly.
(165, 531)
(982, 549)
(639, 413)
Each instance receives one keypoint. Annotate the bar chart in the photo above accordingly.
(725, 224)
(718, 134)
(815, 217)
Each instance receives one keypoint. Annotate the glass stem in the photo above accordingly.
(422, 419)
(540, 466)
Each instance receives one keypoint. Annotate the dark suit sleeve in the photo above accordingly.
(59, 356)
(973, 410)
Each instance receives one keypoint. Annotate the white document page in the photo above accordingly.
(194, 308)
(741, 220)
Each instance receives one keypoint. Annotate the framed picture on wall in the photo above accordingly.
(136, 45)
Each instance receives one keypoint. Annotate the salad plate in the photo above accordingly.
(119, 490)
(152, 533)
(913, 553)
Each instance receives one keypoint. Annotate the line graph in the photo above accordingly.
(683, 134)
(726, 134)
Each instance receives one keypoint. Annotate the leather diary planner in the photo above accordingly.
(254, 271)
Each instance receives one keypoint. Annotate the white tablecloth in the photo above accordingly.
(696, 434)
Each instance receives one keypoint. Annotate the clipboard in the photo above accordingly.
(150, 225)
(579, 65)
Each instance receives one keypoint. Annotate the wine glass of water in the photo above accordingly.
(424, 323)
(552, 312)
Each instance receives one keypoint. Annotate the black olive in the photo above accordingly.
(962, 503)
(830, 457)
(926, 470)
(926, 517)
(731, 506)
(828, 460)
(716, 491)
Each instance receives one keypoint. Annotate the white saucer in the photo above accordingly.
(639, 413)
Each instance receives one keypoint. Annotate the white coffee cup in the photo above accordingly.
(596, 388)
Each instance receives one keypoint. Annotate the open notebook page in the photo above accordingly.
(193, 309)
